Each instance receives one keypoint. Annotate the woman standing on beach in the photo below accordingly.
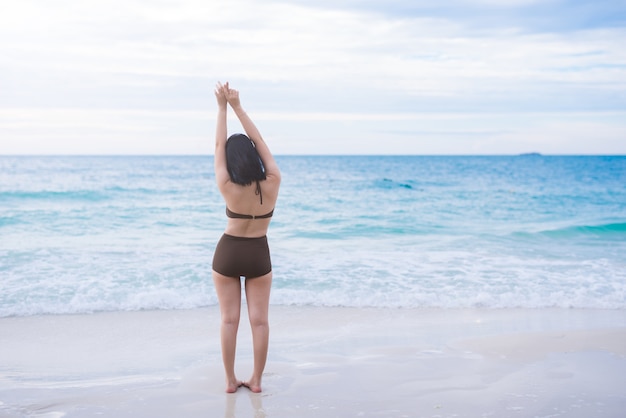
(248, 179)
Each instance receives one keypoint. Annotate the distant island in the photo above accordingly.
(530, 154)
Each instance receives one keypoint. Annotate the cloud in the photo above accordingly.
(103, 131)
(114, 131)
(310, 62)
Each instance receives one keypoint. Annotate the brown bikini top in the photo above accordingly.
(236, 215)
(232, 214)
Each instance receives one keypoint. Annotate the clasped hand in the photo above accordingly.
(225, 94)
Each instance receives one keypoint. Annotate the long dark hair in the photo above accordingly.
(243, 161)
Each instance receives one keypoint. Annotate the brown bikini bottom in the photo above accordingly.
(242, 257)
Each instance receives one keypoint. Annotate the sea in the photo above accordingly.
(84, 234)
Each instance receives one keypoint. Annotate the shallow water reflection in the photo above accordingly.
(256, 402)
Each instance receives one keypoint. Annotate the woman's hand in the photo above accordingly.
(220, 95)
(232, 96)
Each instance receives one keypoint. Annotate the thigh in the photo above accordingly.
(258, 296)
(228, 291)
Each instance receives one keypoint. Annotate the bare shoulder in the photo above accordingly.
(273, 177)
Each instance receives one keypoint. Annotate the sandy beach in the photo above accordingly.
(323, 362)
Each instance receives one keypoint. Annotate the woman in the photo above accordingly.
(249, 179)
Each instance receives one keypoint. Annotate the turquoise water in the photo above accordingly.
(85, 234)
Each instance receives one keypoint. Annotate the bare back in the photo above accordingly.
(245, 200)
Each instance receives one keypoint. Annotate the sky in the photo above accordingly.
(316, 76)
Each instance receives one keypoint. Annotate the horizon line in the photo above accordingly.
(521, 154)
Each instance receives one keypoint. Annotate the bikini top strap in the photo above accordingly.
(258, 191)
(232, 214)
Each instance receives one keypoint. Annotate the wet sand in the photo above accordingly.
(323, 362)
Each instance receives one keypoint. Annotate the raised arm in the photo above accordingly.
(221, 170)
(271, 168)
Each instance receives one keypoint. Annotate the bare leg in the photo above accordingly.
(229, 295)
(258, 299)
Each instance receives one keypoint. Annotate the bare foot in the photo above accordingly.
(253, 386)
(231, 387)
